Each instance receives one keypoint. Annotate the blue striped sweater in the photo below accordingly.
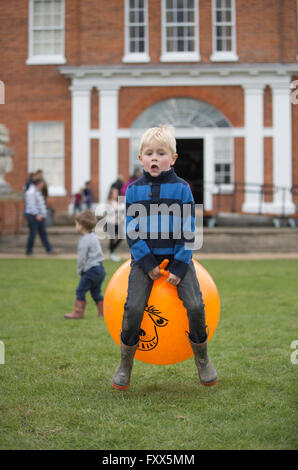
(160, 221)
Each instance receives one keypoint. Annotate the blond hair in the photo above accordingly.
(163, 134)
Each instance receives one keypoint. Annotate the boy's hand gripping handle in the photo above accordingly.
(162, 267)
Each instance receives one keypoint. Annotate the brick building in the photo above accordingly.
(83, 79)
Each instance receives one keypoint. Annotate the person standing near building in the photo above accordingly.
(113, 209)
(36, 213)
(118, 184)
(87, 195)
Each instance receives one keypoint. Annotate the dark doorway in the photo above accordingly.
(190, 165)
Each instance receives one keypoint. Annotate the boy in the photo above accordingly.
(89, 266)
(160, 185)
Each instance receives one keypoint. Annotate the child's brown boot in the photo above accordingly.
(78, 311)
(99, 305)
(207, 373)
(121, 377)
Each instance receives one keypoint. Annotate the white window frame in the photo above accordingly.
(53, 190)
(135, 56)
(179, 56)
(224, 56)
(224, 187)
(44, 59)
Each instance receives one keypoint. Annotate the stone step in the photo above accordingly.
(215, 240)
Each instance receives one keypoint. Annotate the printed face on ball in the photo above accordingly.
(162, 334)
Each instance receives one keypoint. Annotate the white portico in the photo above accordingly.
(252, 78)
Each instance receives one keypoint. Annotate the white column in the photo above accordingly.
(108, 169)
(282, 146)
(80, 140)
(208, 171)
(254, 152)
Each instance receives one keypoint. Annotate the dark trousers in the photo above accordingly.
(114, 242)
(35, 227)
(91, 280)
(138, 293)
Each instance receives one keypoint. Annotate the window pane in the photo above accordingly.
(190, 16)
(131, 16)
(227, 31)
(38, 20)
(219, 16)
(141, 16)
(170, 16)
(47, 7)
(191, 46)
(180, 16)
(36, 49)
(57, 6)
(228, 45)
(190, 4)
(142, 46)
(180, 45)
(219, 45)
(141, 32)
(132, 46)
(180, 32)
(170, 46)
(37, 7)
(170, 31)
(57, 20)
(228, 16)
(132, 32)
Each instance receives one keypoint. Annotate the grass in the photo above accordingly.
(56, 381)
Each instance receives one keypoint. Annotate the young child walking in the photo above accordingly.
(160, 185)
(89, 266)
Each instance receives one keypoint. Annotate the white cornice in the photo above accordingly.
(180, 75)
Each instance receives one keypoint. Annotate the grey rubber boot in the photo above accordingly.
(207, 373)
(121, 377)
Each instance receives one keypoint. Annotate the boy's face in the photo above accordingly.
(79, 227)
(156, 157)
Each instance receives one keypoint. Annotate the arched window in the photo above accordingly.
(181, 112)
(178, 112)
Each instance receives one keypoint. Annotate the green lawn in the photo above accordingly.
(56, 381)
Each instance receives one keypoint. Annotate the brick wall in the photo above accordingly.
(11, 215)
(266, 32)
(229, 100)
